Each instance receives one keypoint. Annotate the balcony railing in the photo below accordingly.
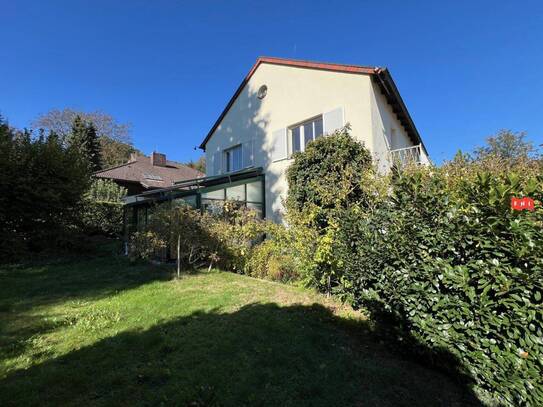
(408, 155)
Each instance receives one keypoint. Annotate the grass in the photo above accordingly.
(98, 331)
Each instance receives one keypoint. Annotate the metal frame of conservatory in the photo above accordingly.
(199, 193)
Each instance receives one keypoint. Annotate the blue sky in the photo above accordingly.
(464, 69)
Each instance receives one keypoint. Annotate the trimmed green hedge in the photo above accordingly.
(459, 272)
(437, 255)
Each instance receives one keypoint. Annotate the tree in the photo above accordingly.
(60, 122)
(115, 152)
(42, 183)
(507, 145)
(83, 137)
(199, 164)
(114, 137)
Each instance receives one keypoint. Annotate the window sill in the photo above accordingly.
(282, 159)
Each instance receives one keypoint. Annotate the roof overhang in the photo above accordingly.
(189, 187)
(390, 91)
(380, 75)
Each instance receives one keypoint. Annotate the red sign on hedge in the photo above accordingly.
(519, 204)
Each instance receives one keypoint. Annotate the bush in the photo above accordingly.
(228, 237)
(437, 255)
(328, 176)
(223, 239)
(458, 271)
(40, 191)
(275, 258)
(103, 208)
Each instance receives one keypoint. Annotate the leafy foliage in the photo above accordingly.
(114, 137)
(102, 211)
(40, 190)
(457, 270)
(114, 152)
(436, 254)
(506, 145)
(276, 257)
(83, 138)
(222, 238)
(199, 164)
(331, 176)
(61, 121)
(328, 176)
(228, 237)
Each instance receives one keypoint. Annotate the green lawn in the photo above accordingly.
(101, 332)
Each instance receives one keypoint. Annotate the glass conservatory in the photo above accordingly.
(246, 187)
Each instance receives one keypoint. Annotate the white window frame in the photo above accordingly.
(301, 126)
(228, 158)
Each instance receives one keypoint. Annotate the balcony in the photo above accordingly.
(408, 155)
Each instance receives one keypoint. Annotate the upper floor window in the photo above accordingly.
(303, 133)
(233, 159)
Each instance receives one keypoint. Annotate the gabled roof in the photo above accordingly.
(140, 170)
(380, 75)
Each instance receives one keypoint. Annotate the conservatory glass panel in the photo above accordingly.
(236, 193)
(254, 191)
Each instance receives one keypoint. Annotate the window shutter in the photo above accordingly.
(217, 163)
(279, 148)
(248, 154)
(333, 120)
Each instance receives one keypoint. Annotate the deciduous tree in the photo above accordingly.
(114, 137)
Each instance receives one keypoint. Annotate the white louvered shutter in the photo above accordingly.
(248, 154)
(279, 148)
(333, 120)
(217, 163)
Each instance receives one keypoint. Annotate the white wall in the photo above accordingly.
(387, 131)
(294, 95)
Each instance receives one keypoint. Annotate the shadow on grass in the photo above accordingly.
(394, 329)
(261, 354)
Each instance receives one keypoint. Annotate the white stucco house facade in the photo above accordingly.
(283, 104)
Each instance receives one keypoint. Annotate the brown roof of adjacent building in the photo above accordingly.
(151, 172)
(380, 75)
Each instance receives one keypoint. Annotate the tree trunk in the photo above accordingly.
(178, 256)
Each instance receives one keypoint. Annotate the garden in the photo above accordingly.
(447, 270)
(419, 287)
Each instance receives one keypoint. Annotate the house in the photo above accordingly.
(142, 173)
(283, 104)
(279, 107)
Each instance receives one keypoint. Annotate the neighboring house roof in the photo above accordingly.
(150, 172)
(380, 75)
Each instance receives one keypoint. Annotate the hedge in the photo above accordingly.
(459, 272)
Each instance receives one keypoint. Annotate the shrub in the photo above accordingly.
(458, 271)
(436, 254)
(228, 237)
(102, 211)
(223, 239)
(275, 258)
(40, 191)
(328, 176)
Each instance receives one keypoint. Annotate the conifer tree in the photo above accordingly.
(84, 138)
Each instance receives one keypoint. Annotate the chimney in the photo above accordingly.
(133, 157)
(158, 159)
